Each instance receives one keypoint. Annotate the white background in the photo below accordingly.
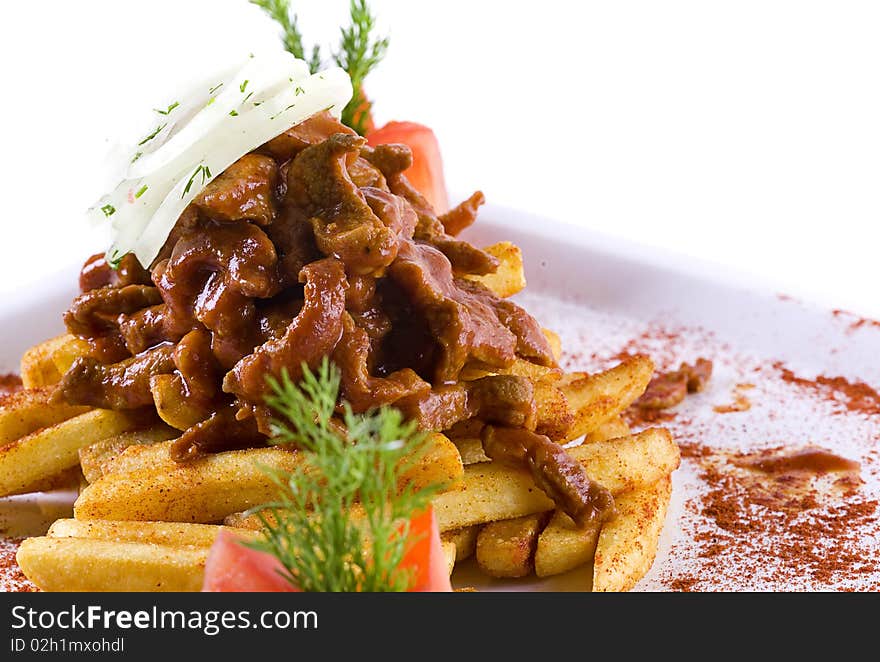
(746, 133)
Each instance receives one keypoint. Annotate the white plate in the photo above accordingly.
(602, 295)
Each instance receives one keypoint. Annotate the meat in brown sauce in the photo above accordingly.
(315, 245)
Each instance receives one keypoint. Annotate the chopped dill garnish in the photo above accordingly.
(202, 170)
(359, 54)
(353, 467)
(167, 110)
(152, 135)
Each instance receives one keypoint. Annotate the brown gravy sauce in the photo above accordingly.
(807, 460)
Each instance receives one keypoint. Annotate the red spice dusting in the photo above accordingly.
(856, 322)
(856, 397)
(12, 579)
(10, 383)
(814, 535)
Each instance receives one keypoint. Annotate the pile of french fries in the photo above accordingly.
(143, 522)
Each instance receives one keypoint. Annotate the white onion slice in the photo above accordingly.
(203, 135)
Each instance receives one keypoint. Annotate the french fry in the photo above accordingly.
(84, 564)
(28, 411)
(449, 552)
(93, 457)
(507, 548)
(564, 545)
(43, 365)
(175, 534)
(464, 539)
(628, 543)
(595, 399)
(519, 368)
(510, 277)
(53, 449)
(204, 490)
(555, 417)
(471, 450)
(611, 429)
(172, 404)
(144, 483)
(555, 342)
(491, 491)
(68, 351)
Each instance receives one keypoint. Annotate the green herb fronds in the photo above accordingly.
(341, 522)
(279, 11)
(359, 52)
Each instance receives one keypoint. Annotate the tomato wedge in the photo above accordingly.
(426, 171)
(426, 556)
(234, 568)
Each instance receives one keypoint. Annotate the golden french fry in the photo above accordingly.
(464, 539)
(83, 564)
(37, 367)
(449, 552)
(507, 548)
(93, 457)
(68, 351)
(175, 534)
(172, 403)
(595, 399)
(510, 277)
(204, 490)
(491, 491)
(555, 342)
(614, 428)
(144, 483)
(519, 368)
(53, 449)
(28, 411)
(564, 545)
(628, 543)
(471, 450)
(43, 365)
(555, 417)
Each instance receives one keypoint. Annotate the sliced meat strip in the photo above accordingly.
(97, 273)
(562, 478)
(463, 215)
(244, 191)
(222, 431)
(123, 385)
(531, 343)
(358, 387)
(212, 277)
(97, 311)
(343, 223)
(503, 400)
(465, 326)
(314, 130)
(312, 335)
(465, 258)
(437, 409)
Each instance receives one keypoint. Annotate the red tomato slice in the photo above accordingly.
(426, 172)
(234, 568)
(426, 556)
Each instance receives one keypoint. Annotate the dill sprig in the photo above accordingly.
(279, 11)
(341, 522)
(359, 54)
